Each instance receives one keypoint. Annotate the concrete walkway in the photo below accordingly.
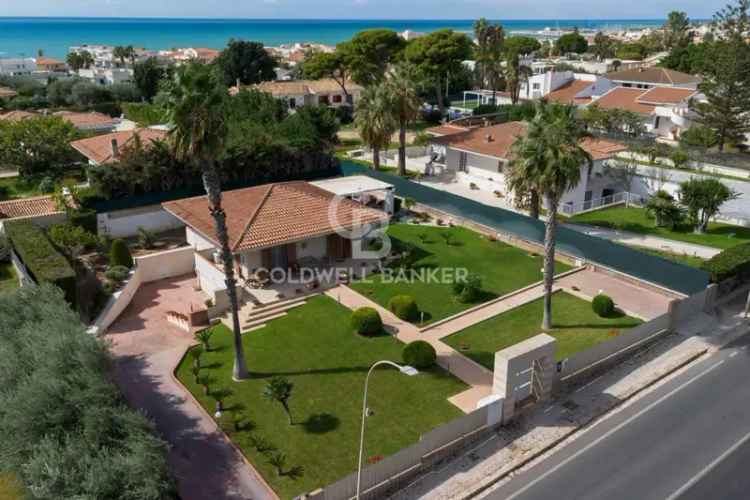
(146, 349)
(647, 241)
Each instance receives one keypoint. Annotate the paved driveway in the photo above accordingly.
(146, 349)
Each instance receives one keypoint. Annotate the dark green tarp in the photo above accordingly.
(647, 267)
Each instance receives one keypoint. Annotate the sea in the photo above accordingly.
(26, 36)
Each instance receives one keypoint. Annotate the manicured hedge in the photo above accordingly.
(85, 218)
(419, 354)
(119, 254)
(366, 321)
(731, 262)
(603, 305)
(42, 260)
(404, 307)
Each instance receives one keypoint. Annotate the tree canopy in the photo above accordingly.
(523, 45)
(246, 63)
(571, 43)
(38, 145)
(370, 52)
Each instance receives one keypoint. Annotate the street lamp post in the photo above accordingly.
(406, 370)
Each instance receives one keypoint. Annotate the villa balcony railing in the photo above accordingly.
(625, 198)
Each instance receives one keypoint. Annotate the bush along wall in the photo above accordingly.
(731, 263)
(44, 263)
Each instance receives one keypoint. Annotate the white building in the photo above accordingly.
(107, 76)
(17, 67)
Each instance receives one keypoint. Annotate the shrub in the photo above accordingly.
(699, 136)
(146, 238)
(603, 305)
(118, 274)
(4, 248)
(469, 289)
(419, 354)
(43, 261)
(731, 262)
(119, 254)
(679, 158)
(85, 218)
(366, 321)
(47, 185)
(404, 307)
(72, 240)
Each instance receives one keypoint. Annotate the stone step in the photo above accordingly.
(264, 312)
(252, 323)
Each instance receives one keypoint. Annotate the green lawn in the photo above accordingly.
(315, 349)
(8, 279)
(503, 268)
(575, 326)
(636, 220)
(11, 487)
(688, 260)
(15, 187)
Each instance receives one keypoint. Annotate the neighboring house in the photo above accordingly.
(287, 226)
(296, 93)
(480, 156)
(6, 93)
(647, 78)
(42, 210)
(184, 55)
(91, 122)
(104, 149)
(17, 115)
(665, 110)
(565, 86)
(17, 67)
(51, 65)
(107, 76)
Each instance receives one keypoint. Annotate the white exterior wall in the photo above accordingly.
(315, 247)
(210, 278)
(124, 223)
(196, 240)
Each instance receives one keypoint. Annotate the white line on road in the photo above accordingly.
(708, 468)
(601, 438)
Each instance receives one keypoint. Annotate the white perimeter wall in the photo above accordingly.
(196, 240)
(124, 223)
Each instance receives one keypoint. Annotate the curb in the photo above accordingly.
(484, 487)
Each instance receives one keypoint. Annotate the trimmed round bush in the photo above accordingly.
(366, 321)
(119, 254)
(117, 273)
(419, 354)
(603, 305)
(404, 307)
(47, 185)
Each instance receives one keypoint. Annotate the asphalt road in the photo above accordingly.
(687, 440)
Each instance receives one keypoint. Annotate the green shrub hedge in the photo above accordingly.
(42, 260)
(731, 262)
(603, 305)
(366, 321)
(404, 307)
(119, 254)
(419, 354)
(85, 218)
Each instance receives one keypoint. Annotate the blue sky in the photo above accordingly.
(359, 9)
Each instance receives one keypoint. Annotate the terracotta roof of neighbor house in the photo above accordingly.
(28, 207)
(666, 95)
(17, 115)
(84, 120)
(654, 75)
(275, 214)
(282, 88)
(99, 148)
(567, 93)
(625, 98)
(49, 61)
(446, 129)
(501, 138)
(5, 92)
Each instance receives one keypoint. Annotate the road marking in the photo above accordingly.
(601, 438)
(708, 468)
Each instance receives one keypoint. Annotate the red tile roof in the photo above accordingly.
(496, 141)
(446, 129)
(17, 115)
(624, 98)
(655, 76)
(98, 149)
(275, 214)
(666, 95)
(567, 93)
(87, 120)
(28, 207)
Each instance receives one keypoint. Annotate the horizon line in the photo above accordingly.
(190, 18)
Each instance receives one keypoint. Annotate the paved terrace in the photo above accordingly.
(650, 268)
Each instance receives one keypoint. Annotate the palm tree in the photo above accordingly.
(515, 75)
(374, 120)
(196, 111)
(279, 389)
(550, 157)
(405, 105)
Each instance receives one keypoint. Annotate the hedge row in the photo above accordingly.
(42, 260)
(731, 262)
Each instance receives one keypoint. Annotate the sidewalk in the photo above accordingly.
(647, 241)
(545, 427)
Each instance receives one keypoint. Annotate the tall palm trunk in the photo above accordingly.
(534, 202)
(376, 157)
(440, 100)
(213, 190)
(549, 259)
(402, 149)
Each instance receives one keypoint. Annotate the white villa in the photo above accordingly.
(296, 93)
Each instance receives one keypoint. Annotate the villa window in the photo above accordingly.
(323, 100)
(337, 99)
